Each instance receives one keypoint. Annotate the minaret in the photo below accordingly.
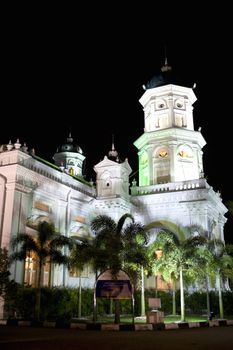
(170, 150)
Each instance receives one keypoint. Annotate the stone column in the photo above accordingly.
(7, 215)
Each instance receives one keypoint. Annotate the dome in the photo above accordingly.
(113, 154)
(69, 146)
(166, 76)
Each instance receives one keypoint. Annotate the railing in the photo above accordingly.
(169, 187)
(58, 176)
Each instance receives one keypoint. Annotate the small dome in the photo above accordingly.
(166, 76)
(69, 146)
(113, 154)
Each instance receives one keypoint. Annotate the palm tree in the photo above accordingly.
(114, 246)
(177, 257)
(229, 205)
(4, 270)
(181, 233)
(218, 266)
(80, 256)
(8, 288)
(46, 246)
(163, 268)
(120, 245)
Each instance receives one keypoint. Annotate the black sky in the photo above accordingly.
(82, 70)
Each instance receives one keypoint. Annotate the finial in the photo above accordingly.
(9, 146)
(113, 147)
(165, 55)
(24, 147)
(62, 166)
(166, 67)
(113, 154)
(17, 144)
(69, 138)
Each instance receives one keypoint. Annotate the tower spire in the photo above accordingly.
(113, 147)
(70, 138)
(165, 67)
(165, 54)
(113, 154)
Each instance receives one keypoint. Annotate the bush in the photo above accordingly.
(61, 304)
(196, 302)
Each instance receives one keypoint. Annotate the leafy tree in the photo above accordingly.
(80, 256)
(229, 205)
(178, 257)
(8, 288)
(120, 245)
(4, 271)
(163, 268)
(47, 246)
(181, 233)
(114, 246)
(218, 266)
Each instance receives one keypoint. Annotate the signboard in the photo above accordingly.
(117, 289)
(113, 288)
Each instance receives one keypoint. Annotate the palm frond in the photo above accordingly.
(25, 240)
(21, 255)
(45, 232)
(102, 222)
(122, 220)
(57, 257)
(59, 241)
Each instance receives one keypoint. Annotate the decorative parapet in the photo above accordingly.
(58, 176)
(169, 187)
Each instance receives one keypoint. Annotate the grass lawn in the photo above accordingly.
(127, 319)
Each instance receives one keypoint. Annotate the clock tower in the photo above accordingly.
(172, 187)
(170, 149)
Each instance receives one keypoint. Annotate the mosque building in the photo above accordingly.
(171, 185)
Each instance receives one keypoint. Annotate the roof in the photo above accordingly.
(166, 76)
(69, 146)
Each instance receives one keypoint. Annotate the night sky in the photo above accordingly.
(82, 71)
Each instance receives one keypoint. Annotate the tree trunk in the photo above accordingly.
(117, 311)
(38, 292)
(80, 297)
(221, 314)
(111, 307)
(207, 296)
(182, 307)
(156, 292)
(143, 311)
(174, 299)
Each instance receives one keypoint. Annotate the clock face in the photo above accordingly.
(163, 154)
(185, 151)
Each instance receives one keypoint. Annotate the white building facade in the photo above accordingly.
(171, 187)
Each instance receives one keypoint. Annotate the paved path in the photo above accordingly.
(17, 338)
